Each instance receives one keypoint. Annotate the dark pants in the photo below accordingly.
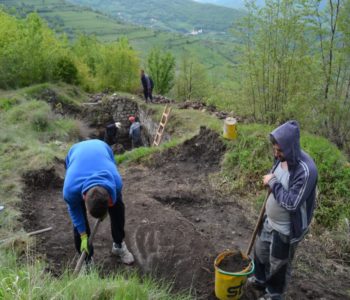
(110, 140)
(117, 217)
(136, 143)
(148, 94)
(273, 255)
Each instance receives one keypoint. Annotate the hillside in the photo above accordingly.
(213, 50)
(186, 200)
(180, 15)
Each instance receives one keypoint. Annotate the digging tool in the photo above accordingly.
(258, 224)
(28, 234)
(83, 254)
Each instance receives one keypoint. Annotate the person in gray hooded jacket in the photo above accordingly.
(289, 210)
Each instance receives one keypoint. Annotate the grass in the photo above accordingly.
(28, 281)
(139, 154)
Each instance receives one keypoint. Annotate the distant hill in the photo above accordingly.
(176, 15)
(237, 4)
(215, 51)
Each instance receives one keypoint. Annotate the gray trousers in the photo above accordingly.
(273, 255)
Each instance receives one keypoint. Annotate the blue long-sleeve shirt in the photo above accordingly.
(89, 163)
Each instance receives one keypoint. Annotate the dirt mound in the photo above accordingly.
(205, 149)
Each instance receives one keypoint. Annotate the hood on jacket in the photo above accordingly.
(287, 137)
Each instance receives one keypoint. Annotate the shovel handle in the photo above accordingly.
(83, 254)
(258, 224)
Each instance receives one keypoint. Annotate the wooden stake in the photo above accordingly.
(258, 224)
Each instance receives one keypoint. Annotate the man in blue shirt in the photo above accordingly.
(93, 184)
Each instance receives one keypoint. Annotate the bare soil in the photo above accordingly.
(234, 263)
(176, 224)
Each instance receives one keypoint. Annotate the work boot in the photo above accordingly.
(123, 252)
(254, 283)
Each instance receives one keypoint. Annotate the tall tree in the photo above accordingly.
(192, 81)
(162, 70)
(119, 67)
(333, 35)
(276, 63)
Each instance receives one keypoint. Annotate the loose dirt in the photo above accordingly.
(176, 222)
(234, 263)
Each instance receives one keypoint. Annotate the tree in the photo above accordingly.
(119, 67)
(333, 35)
(162, 70)
(191, 82)
(276, 65)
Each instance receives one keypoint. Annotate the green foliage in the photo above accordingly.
(6, 104)
(250, 157)
(28, 50)
(276, 63)
(65, 70)
(192, 81)
(140, 153)
(30, 282)
(162, 70)
(334, 180)
(119, 67)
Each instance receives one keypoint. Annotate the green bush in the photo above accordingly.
(6, 104)
(66, 71)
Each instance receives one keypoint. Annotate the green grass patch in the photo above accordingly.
(28, 281)
(139, 154)
(33, 138)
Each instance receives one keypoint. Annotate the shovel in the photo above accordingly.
(258, 224)
(83, 254)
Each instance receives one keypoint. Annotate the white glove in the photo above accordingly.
(118, 124)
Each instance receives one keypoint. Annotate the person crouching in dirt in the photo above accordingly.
(289, 210)
(93, 184)
(111, 132)
(135, 132)
(147, 84)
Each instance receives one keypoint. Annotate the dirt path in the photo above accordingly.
(176, 223)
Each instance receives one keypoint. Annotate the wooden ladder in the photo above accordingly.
(162, 124)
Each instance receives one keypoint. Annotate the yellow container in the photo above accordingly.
(229, 286)
(230, 128)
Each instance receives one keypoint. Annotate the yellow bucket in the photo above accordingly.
(229, 286)
(230, 128)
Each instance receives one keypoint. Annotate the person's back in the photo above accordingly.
(147, 84)
(135, 132)
(90, 163)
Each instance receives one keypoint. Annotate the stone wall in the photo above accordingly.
(103, 109)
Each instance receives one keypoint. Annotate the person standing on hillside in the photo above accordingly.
(147, 84)
(93, 183)
(289, 210)
(111, 132)
(135, 132)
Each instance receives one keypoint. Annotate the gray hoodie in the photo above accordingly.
(299, 199)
